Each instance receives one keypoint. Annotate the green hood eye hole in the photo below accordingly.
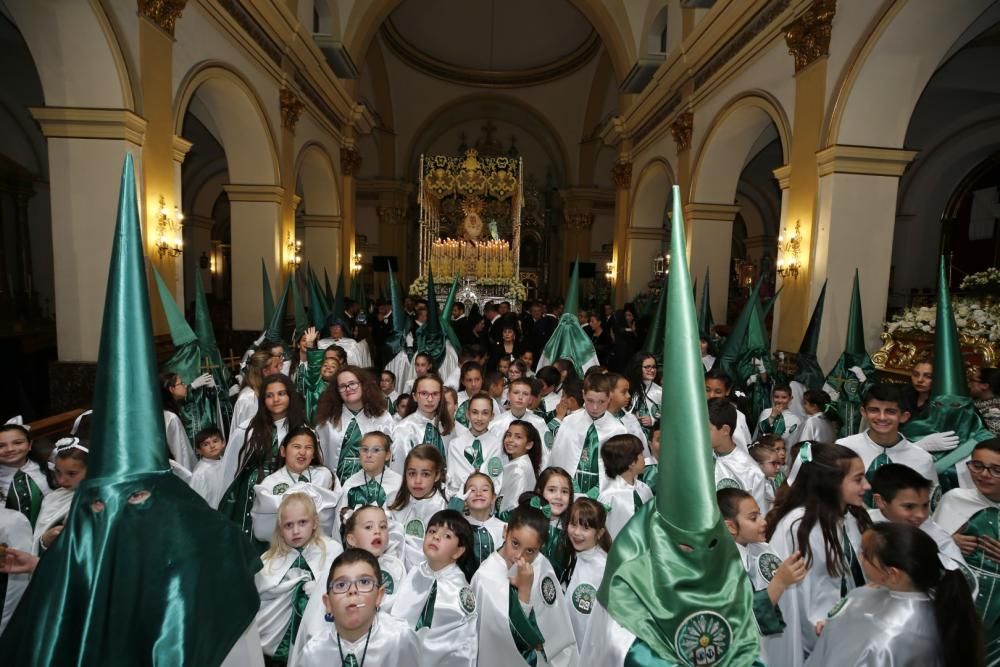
(97, 506)
(138, 497)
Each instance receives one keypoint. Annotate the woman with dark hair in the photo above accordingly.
(646, 394)
(509, 345)
(173, 392)
(351, 407)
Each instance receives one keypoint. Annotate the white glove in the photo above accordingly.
(833, 393)
(751, 380)
(759, 365)
(858, 373)
(204, 380)
(235, 389)
(260, 340)
(938, 442)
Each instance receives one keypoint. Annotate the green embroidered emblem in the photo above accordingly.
(727, 483)
(279, 489)
(703, 638)
(837, 608)
(851, 387)
(549, 591)
(583, 598)
(767, 564)
(494, 466)
(350, 660)
(936, 497)
(467, 599)
(388, 582)
(415, 528)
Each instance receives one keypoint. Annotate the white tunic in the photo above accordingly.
(331, 436)
(607, 643)
(459, 467)
(737, 470)
(55, 508)
(793, 424)
(451, 640)
(177, 441)
(903, 452)
(15, 532)
(581, 593)
(408, 434)
(31, 469)
(496, 644)
(391, 643)
(207, 481)
(268, 494)
(632, 425)
(619, 495)
(946, 545)
(816, 428)
(573, 434)
(244, 410)
(413, 520)
(518, 477)
(389, 480)
(741, 436)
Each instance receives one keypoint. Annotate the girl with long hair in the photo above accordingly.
(427, 422)
(174, 392)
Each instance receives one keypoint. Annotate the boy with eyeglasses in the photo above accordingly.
(357, 634)
(972, 516)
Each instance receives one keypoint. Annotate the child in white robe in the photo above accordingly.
(69, 458)
(428, 422)
(587, 536)
(523, 614)
(821, 424)
(24, 474)
(621, 396)
(207, 476)
(420, 497)
(779, 419)
(519, 400)
(768, 460)
(487, 530)
(718, 384)
(375, 483)
(828, 481)
(15, 532)
(298, 557)
(435, 598)
(522, 446)
(624, 461)
(554, 491)
(733, 466)
(357, 633)
(478, 449)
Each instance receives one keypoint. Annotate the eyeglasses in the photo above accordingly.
(980, 467)
(648, 368)
(370, 450)
(362, 585)
(428, 394)
(349, 386)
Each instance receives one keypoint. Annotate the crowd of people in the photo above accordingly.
(466, 519)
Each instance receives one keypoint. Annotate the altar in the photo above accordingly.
(470, 227)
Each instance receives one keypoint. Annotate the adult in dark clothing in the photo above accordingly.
(601, 338)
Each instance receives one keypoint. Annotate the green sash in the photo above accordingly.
(432, 436)
(587, 471)
(349, 462)
(768, 615)
(879, 461)
(649, 476)
(636, 500)
(299, 601)
(24, 496)
(555, 550)
(777, 428)
(474, 454)
(462, 414)
(427, 615)
(482, 545)
(851, 564)
(527, 636)
(369, 493)
(986, 523)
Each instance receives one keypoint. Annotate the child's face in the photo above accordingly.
(386, 383)
(70, 472)
(810, 408)
(596, 403)
(480, 414)
(521, 542)
(371, 531)
(503, 366)
(749, 526)
(854, 485)
(178, 389)
(639, 465)
(921, 377)
(421, 476)
(528, 358)
(211, 448)
(779, 451)
(619, 395)
(557, 493)
(514, 373)
(780, 398)
(421, 366)
(373, 455)
(648, 369)
(911, 506)
(703, 344)
(450, 403)
(985, 482)
(298, 453)
(473, 382)
(519, 396)
(349, 387)
(276, 400)
(354, 610)
(428, 397)
(402, 406)
(14, 446)
(769, 466)
(441, 547)
(480, 494)
(329, 368)
(516, 443)
(715, 388)
(884, 417)
(496, 389)
(297, 525)
(582, 537)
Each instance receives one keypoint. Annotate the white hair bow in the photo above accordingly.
(18, 421)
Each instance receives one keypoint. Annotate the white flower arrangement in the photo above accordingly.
(984, 280)
(973, 317)
(419, 287)
(516, 291)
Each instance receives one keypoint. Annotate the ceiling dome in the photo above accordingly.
(490, 43)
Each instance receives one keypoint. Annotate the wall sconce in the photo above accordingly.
(355, 265)
(788, 255)
(169, 230)
(661, 265)
(294, 252)
(610, 272)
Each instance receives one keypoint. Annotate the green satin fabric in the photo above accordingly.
(851, 391)
(879, 461)
(299, 601)
(949, 369)
(733, 346)
(474, 454)
(569, 341)
(277, 321)
(268, 295)
(810, 375)
(349, 462)
(432, 436)
(165, 582)
(641, 655)
(555, 550)
(25, 497)
(310, 382)
(810, 341)
(430, 338)
(426, 618)
(767, 613)
(587, 469)
(210, 353)
(369, 493)
(462, 414)
(654, 337)
(528, 638)
(949, 413)
(482, 546)
(446, 327)
(400, 322)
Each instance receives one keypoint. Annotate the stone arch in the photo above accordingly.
(645, 234)
(318, 222)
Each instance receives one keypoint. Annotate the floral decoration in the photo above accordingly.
(988, 280)
(974, 316)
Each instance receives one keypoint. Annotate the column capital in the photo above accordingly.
(321, 221)
(391, 215)
(162, 13)
(621, 175)
(87, 123)
(705, 211)
(808, 36)
(578, 219)
(783, 174)
(291, 109)
(181, 148)
(681, 130)
(254, 193)
(867, 160)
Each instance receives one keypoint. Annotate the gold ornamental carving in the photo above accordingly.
(808, 37)
(900, 352)
(681, 130)
(621, 174)
(163, 13)
(577, 219)
(350, 161)
(291, 109)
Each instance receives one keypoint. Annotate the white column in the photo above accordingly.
(644, 245)
(321, 243)
(255, 215)
(709, 230)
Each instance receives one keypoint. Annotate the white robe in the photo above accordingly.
(816, 428)
(331, 436)
(244, 410)
(413, 520)
(451, 640)
(573, 434)
(356, 355)
(806, 603)
(276, 582)
(177, 441)
(55, 508)
(459, 467)
(741, 436)
(632, 425)
(207, 481)
(408, 434)
(737, 470)
(607, 643)
(389, 480)
(268, 494)
(793, 424)
(496, 645)
(15, 532)
(795, 405)
(903, 452)
(391, 643)
(518, 477)
(402, 367)
(946, 545)
(619, 496)
(581, 593)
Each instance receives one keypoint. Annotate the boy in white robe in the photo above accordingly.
(734, 468)
(375, 483)
(519, 400)
(621, 396)
(718, 384)
(624, 461)
(207, 476)
(779, 420)
(479, 449)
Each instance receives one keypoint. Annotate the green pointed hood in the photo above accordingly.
(400, 320)
(949, 369)
(654, 338)
(675, 600)
(569, 340)
(756, 347)
(317, 305)
(277, 323)
(207, 344)
(769, 306)
(186, 359)
(330, 297)
(301, 318)
(449, 331)
(850, 390)
(733, 346)
(810, 374)
(268, 294)
(706, 323)
(430, 338)
(855, 343)
(137, 539)
(337, 313)
(573, 292)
